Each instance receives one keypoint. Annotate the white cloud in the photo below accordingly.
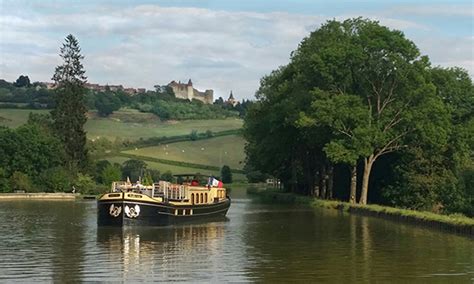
(146, 45)
(149, 44)
(389, 21)
(449, 51)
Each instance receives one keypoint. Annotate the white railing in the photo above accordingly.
(169, 190)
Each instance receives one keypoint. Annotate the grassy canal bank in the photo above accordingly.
(453, 223)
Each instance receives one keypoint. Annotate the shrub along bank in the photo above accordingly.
(456, 223)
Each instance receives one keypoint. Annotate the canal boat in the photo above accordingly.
(163, 203)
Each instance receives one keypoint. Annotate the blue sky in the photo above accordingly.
(223, 45)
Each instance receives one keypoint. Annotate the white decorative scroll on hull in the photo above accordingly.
(132, 212)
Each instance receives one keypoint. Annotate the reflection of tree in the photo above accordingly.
(68, 237)
(288, 245)
(295, 245)
(366, 247)
(163, 252)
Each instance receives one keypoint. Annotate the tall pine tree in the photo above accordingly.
(69, 115)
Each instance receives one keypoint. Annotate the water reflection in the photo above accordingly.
(321, 245)
(68, 236)
(165, 252)
(60, 242)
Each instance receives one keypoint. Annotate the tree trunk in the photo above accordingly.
(323, 180)
(293, 175)
(368, 162)
(352, 197)
(330, 181)
(317, 184)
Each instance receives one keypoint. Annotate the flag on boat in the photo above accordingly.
(215, 182)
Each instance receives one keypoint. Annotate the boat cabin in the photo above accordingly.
(189, 189)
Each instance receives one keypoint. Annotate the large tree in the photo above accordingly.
(226, 174)
(69, 115)
(22, 81)
(375, 90)
(133, 169)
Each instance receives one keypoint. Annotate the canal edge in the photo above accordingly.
(418, 218)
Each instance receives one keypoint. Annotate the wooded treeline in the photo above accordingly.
(360, 115)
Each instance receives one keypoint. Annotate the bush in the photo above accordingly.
(154, 174)
(4, 183)
(106, 103)
(147, 179)
(20, 182)
(194, 135)
(55, 179)
(167, 176)
(133, 169)
(110, 174)
(226, 174)
(84, 184)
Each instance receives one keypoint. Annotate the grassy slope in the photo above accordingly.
(218, 151)
(177, 169)
(129, 124)
(16, 117)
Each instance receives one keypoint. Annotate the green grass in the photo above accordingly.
(176, 169)
(132, 124)
(15, 117)
(217, 151)
(129, 124)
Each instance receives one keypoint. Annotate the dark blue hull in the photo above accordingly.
(126, 212)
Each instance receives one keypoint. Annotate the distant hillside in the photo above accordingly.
(217, 151)
(129, 124)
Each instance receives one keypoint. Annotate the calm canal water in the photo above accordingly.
(59, 241)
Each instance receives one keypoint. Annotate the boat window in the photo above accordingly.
(192, 197)
(200, 198)
(205, 197)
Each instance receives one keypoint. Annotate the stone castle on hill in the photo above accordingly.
(186, 91)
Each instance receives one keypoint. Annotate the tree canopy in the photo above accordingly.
(354, 93)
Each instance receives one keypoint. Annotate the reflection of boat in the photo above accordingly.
(162, 203)
(146, 253)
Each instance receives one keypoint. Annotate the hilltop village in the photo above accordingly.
(181, 91)
(173, 101)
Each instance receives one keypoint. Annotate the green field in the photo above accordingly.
(217, 151)
(16, 117)
(176, 169)
(129, 124)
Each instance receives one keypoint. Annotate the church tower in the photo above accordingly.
(231, 99)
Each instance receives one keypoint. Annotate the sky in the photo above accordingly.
(222, 45)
